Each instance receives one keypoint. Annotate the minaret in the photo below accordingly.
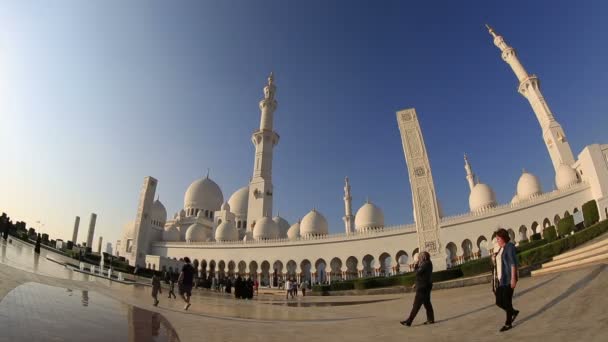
(91, 232)
(348, 218)
(529, 87)
(470, 174)
(75, 231)
(264, 140)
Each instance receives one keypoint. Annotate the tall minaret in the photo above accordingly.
(264, 140)
(470, 174)
(529, 87)
(348, 218)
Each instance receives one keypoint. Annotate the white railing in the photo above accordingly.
(391, 230)
(522, 203)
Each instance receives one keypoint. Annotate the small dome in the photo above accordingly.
(369, 216)
(482, 197)
(203, 194)
(515, 199)
(265, 229)
(226, 231)
(198, 233)
(293, 233)
(239, 201)
(159, 213)
(528, 186)
(171, 234)
(313, 224)
(225, 207)
(565, 177)
(283, 226)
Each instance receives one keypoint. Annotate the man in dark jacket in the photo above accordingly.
(424, 284)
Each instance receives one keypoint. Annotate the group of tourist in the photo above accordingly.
(291, 288)
(504, 280)
(244, 288)
(185, 282)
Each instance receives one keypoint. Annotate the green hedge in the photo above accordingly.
(530, 245)
(565, 225)
(550, 234)
(476, 267)
(591, 214)
(544, 253)
(535, 237)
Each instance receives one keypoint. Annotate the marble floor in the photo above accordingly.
(563, 306)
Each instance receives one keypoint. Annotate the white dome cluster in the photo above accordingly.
(313, 224)
(203, 194)
(565, 177)
(197, 232)
(528, 186)
(226, 231)
(265, 229)
(283, 226)
(158, 213)
(481, 198)
(171, 234)
(239, 201)
(293, 233)
(369, 217)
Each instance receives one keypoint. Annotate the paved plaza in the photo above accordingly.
(564, 306)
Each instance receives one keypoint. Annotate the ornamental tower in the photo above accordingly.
(470, 174)
(529, 87)
(348, 208)
(264, 140)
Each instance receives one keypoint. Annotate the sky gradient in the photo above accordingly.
(94, 96)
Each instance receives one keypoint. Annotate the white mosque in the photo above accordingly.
(239, 236)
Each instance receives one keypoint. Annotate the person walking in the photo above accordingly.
(424, 284)
(303, 286)
(505, 276)
(287, 288)
(156, 288)
(172, 279)
(185, 282)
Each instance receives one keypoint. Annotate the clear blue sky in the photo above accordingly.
(96, 95)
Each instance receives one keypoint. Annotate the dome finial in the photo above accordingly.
(491, 30)
(208, 170)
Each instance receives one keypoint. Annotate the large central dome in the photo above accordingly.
(239, 201)
(203, 194)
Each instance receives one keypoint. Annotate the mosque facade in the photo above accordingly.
(240, 236)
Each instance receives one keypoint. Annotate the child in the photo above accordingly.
(172, 280)
(155, 288)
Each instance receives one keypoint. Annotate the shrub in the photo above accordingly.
(550, 234)
(444, 275)
(544, 253)
(476, 267)
(535, 237)
(565, 225)
(591, 214)
(530, 245)
(523, 242)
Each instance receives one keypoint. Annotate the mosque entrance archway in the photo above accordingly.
(277, 273)
(195, 266)
(265, 280)
(555, 220)
(253, 270)
(368, 265)
(242, 267)
(212, 267)
(546, 223)
(523, 233)
(204, 269)
(321, 270)
(385, 264)
(221, 269)
(336, 269)
(402, 262)
(482, 246)
(351, 268)
(534, 227)
(292, 268)
(231, 268)
(511, 234)
(451, 252)
(467, 249)
(305, 267)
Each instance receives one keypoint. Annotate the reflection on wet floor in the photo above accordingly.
(320, 304)
(37, 312)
